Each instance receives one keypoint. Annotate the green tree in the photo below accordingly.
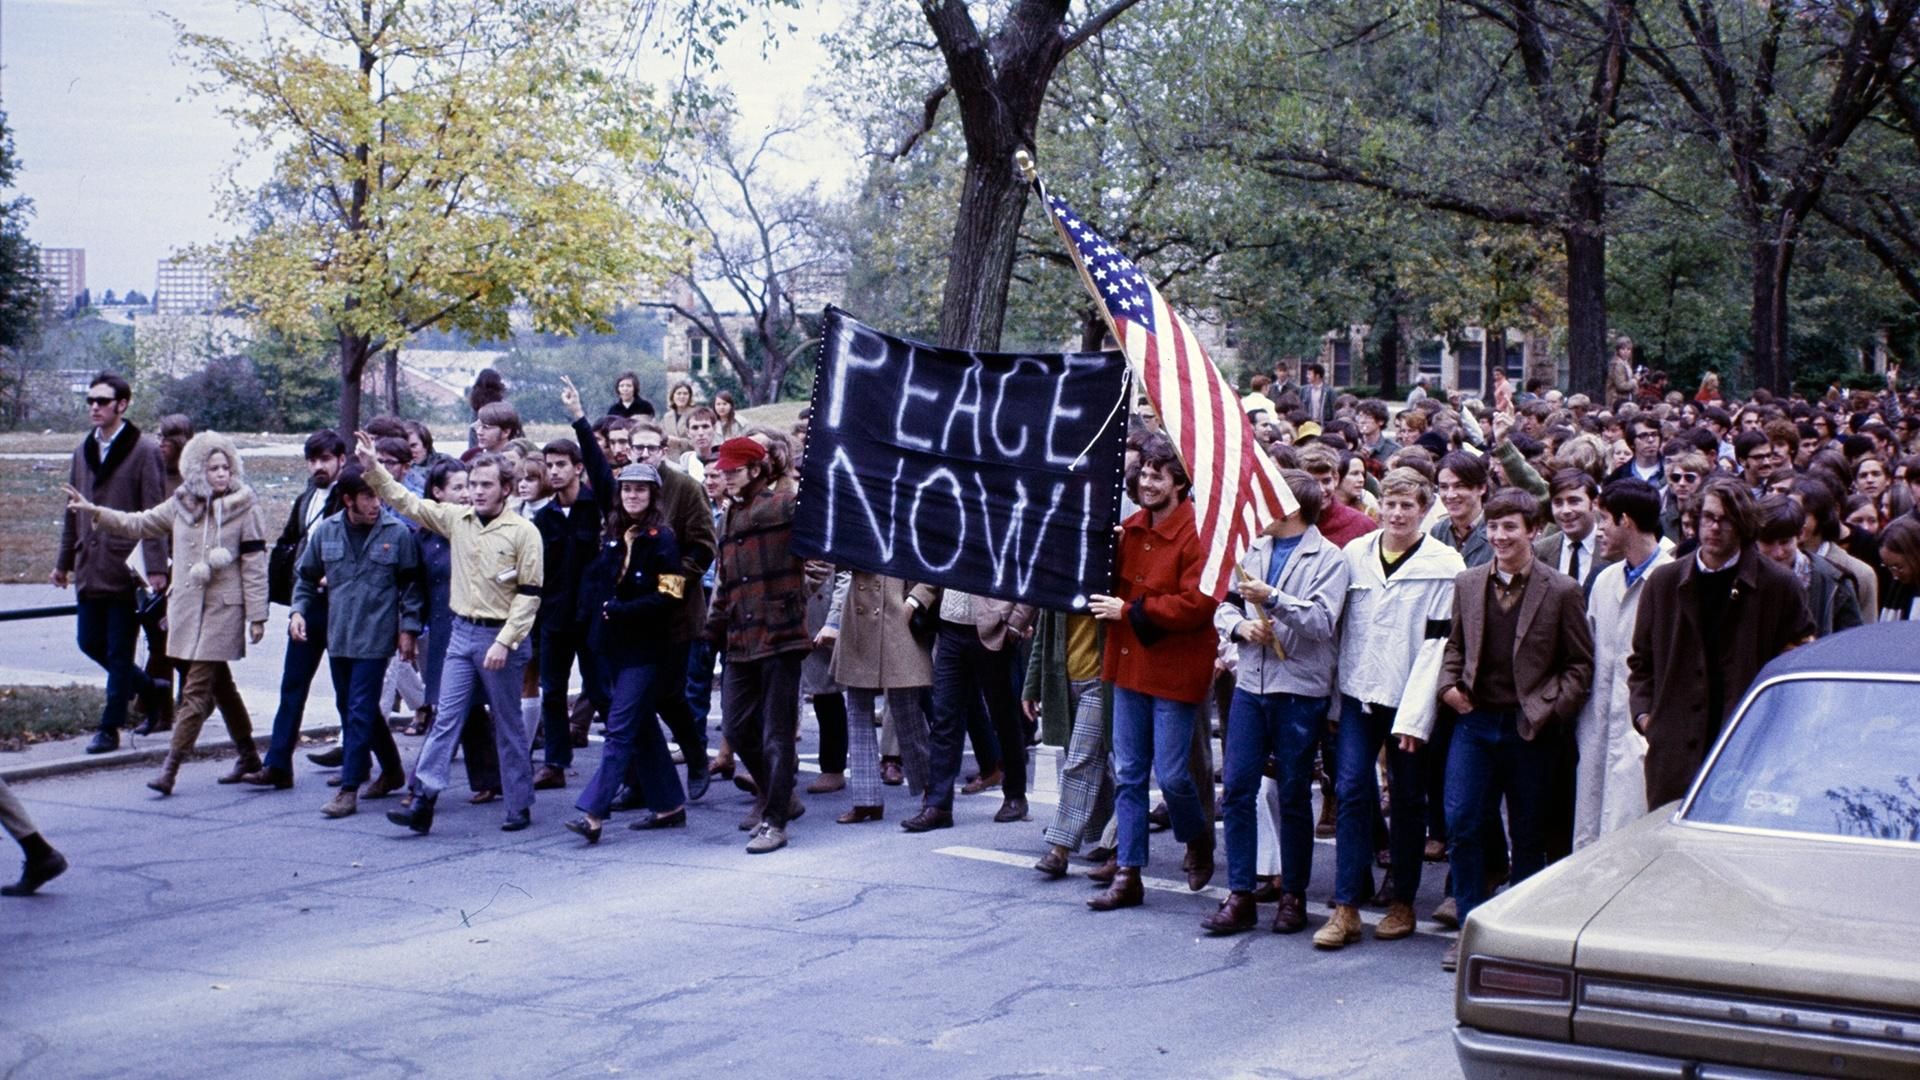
(21, 288)
(436, 165)
(1777, 90)
(997, 75)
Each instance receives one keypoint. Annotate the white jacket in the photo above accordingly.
(1610, 785)
(1393, 633)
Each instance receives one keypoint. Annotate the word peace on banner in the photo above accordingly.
(994, 473)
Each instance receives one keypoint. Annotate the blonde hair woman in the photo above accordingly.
(218, 602)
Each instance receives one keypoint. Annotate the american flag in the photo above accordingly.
(1237, 489)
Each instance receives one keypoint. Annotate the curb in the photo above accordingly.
(67, 766)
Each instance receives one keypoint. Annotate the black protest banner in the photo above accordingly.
(995, 473)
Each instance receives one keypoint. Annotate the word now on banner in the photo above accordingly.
(995, 473)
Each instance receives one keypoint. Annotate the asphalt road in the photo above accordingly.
(227, 932)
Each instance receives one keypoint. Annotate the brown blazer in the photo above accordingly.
(131, 478)
(994, 619)
(1667, 669)
(1552, 645)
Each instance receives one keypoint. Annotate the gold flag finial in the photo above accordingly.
(1025, 161)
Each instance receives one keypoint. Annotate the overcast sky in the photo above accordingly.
(121, 161)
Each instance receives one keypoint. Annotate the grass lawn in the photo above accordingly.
(31, 505)
(32, 714)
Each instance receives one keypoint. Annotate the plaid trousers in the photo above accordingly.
(1086, 773)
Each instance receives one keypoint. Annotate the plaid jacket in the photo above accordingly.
(760, 596)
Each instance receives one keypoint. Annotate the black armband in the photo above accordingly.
(1438, 628)
(528, 590)
(252, 547)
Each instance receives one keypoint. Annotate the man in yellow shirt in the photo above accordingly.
(495, 594)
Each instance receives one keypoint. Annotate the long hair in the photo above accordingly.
(488, 387)
(618, 521)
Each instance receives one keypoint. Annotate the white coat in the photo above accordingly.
(1393, 633)
(1610, 786)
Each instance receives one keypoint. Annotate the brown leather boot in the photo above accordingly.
(247, 762)
(1105, 871)
(1200, 862)
(1125, 892)
(163, 781)
(1237, 912)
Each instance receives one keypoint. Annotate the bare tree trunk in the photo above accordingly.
(354, 352)
(1587, 308)
(1772, 266)
(392, 387)
(980, 262)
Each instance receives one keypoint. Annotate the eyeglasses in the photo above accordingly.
(648, 448)
(388, 462)
(103, 402)
(1685, 477)
(1716, 520)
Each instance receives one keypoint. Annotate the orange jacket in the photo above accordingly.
(1166, 644)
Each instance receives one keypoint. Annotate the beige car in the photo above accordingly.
(1768, 925)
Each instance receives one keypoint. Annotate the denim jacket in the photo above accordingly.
(373, 595)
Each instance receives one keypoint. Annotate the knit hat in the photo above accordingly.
(738, 452)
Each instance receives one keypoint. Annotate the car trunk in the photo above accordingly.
(1808, 962)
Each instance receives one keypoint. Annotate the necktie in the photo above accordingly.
(1573, 568)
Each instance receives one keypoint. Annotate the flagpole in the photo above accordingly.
(1025, 161)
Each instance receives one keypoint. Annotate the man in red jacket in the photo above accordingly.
(1159, 657)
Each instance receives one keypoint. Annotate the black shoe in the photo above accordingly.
(1012, 810)
(625, 798)
(1159, 819)
(104, 741)
(698, 779)
(581, 827)
(929, 819)
(35, 874)
(516, 822)
(330, 758)
(419, 818)
(672, 819)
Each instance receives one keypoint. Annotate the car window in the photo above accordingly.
(1832, 757)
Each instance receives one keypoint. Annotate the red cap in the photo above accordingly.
(739, 451)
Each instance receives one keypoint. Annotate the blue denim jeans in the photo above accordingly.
(464, 678)
(634, 739)
(364, 733)
(700, 680)
(1363, 730)
(1156, 732)
(1287, 727)
(106, 630)
(296, 679)
(1489, 759)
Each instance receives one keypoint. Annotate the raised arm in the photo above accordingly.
(438, 517)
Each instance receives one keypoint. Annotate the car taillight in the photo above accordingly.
(1490, 978)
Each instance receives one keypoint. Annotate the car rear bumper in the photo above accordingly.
(1487, 1056)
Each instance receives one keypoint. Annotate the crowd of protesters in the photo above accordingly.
(1502, 608)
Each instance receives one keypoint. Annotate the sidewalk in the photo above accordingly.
(43, 652)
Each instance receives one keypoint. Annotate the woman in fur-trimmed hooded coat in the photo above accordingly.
(217, 602)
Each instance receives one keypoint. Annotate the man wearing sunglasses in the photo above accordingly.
(115, 467)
